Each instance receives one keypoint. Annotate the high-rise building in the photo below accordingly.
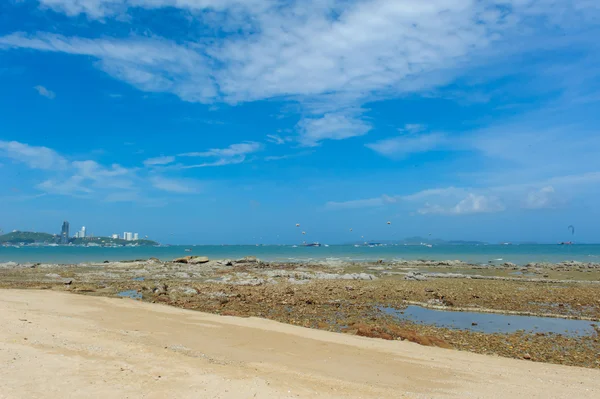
(128, 236)
(64, 233)
(136, 236)
(115, 236)
(82, 232)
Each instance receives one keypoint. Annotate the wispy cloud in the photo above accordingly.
(472, 203)
(275, 139)
(181, 186)
(234, 150)
(89, 179)
(44, 92)
(545, 197)
(339, 54)
(405, 145)
(33, 156)
(332, 126)
(162, 160)
(287, 156)
(219, 162)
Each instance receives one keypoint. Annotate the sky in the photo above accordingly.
(230, 121)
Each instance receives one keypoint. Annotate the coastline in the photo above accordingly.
(348, 298)
(116, 348)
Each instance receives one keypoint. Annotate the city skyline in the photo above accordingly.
(470, 120)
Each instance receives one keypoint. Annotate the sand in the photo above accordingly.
(65, 345)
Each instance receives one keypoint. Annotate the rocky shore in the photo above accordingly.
(346, 297)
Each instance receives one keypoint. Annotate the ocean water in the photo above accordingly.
(479, 254)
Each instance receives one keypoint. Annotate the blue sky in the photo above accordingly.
(229, 121)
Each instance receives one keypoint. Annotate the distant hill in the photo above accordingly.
(418, 240)
(28, 237)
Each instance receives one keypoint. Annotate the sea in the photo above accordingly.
(476, 254)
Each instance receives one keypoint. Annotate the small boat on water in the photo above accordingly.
(312, 244)
(566, 243)
(188, 250)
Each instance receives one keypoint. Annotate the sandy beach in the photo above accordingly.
(56, 344)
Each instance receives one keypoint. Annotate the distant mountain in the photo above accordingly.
(28, 237)
(422, 240)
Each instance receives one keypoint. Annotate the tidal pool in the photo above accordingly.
(133, 294)
(492, 322)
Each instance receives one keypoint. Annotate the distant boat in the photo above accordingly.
(313, 244)
(566, 243)
(188, 250)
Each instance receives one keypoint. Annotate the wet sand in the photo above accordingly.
(56, 344)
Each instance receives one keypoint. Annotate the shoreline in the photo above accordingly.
(82, 340)
(344, 297)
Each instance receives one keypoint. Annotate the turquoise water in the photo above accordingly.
(519, 254)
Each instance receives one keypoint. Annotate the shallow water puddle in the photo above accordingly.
(133, 294)
(138, 279)
(492, 322)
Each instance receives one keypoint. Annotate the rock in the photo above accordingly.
(188, 290)
(197, 260)
(415, 276)
(527, 356)
(225, 262)
(153, 259)
(194, 260)
(473, 324)
(509, 264)
(53, 275)
(248, 259)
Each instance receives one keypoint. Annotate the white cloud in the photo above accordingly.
(181, 186)
(32, 156)
(163, 160)
(234, 154)
(355, 204)
(150, 64)
(471, 204)
(234, 150)
(310, 51)
(220, 162)
(72, 186)
(275, 139)
(402, 146)
(332, 126)
(542, 198)
(42, 91)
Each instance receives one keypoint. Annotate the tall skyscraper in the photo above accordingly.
(64, 233)
(82, 232)
(136, 236)
(128, 236)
